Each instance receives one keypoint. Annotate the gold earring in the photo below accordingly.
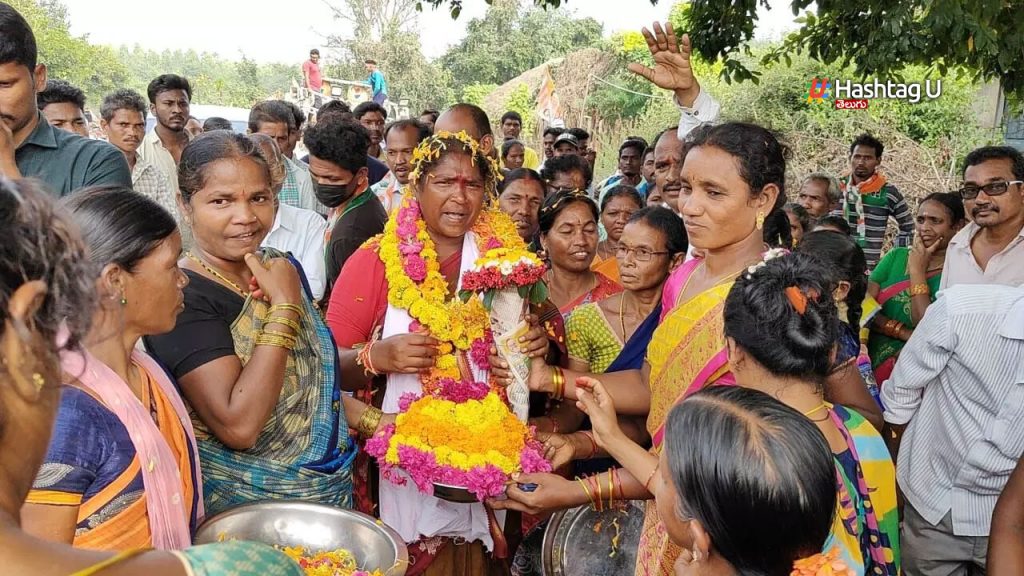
(760, 220)
(124, 301)
(38, 380)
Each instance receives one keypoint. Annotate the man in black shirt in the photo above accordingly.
(337, 165)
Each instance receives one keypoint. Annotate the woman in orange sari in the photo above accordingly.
(616, 207)
(122, 469)
(568, 236)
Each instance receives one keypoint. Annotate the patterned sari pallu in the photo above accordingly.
(687, 353)
(304, 451)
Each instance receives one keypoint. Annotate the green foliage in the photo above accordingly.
(508, 41)
(521, 101)
(381, 30)
(214, 80)
(878, 38)
(94, 69)
(475, 93)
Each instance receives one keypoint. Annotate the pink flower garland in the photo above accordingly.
(422, 467)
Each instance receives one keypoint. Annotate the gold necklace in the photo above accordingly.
(216, 274)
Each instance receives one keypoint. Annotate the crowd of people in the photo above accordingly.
(195, 319)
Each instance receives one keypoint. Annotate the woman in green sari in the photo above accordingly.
(906, 280)
(253, 357)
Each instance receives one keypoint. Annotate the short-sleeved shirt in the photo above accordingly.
(377, 83)
(357, 224)
(961, 267)
(153, 151)
(67, 162)
(203, 331)
(312, 70)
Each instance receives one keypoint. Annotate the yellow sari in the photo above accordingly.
(687, 353)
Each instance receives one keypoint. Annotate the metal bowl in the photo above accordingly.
(314, 526)
(457, 494)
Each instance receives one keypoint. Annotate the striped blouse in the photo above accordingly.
(959, 382)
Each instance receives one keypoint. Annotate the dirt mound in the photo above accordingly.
(572, 81)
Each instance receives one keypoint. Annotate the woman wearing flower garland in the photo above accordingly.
(396, 306)
(568, 236)
(616, 207)
(252, 355)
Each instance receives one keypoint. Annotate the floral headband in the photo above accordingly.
(565, 195)
(428, 152)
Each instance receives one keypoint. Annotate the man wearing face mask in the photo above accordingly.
(337, 165)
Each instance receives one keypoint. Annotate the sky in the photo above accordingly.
(232, 27)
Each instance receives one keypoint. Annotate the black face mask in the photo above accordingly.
(333, 195)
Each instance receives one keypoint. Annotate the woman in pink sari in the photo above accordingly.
(731, 179)
(122, 470)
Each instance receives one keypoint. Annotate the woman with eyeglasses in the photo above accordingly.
(613, 334)
(618, 204)
(906, 280)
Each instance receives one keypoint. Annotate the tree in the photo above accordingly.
(508, 40)
(877, 37)
(384, 30)
(94, 69)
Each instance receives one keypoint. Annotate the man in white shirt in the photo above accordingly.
(959, 383)
(298, 231)
(301, 232)
(990, 250)
(169, 98)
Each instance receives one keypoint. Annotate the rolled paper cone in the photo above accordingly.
(507, 310)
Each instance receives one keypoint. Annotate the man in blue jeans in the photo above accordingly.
(377, 83)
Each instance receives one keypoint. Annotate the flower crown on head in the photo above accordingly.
(566, 195)
(428, 152)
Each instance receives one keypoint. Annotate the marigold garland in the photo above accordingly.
(458, 432)
(415, 283)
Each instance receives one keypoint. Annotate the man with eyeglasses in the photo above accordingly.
(990, 250)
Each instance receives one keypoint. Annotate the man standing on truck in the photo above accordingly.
(377, 83)
(311, 78)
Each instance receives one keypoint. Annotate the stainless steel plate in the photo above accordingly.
(315, 526)
(578, 542)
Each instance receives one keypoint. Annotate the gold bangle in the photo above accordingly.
(278, 333)
(283, 322)
(558, 379)
(611, 489)
(289, 307)
(921, 289)
(586, 491)
(262, 340)
(369, 421)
